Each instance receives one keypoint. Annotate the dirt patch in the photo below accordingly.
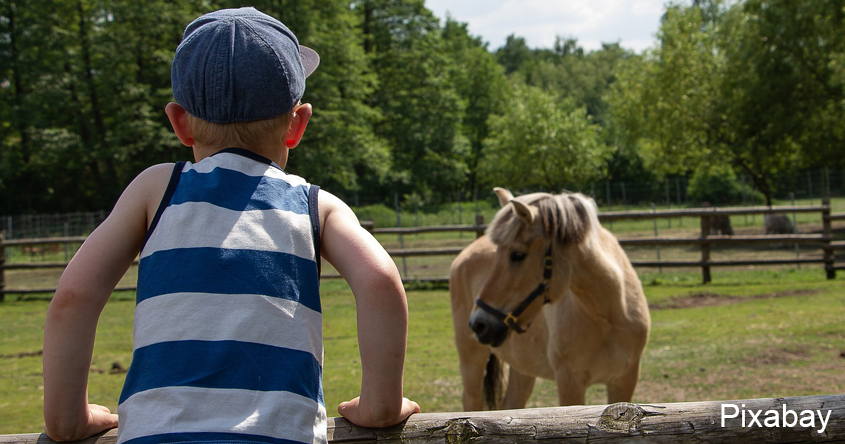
(696, 300)
(23, 355)
(116, 368)
(775, 356)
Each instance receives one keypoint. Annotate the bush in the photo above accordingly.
(719, 186)
(381, 215)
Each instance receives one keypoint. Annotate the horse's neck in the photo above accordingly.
(598, 283)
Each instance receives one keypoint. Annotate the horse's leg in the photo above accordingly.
(622, 388)
(519, 390)
(473, 357)
(570, 389)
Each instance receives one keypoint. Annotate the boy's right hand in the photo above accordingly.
(361, 415)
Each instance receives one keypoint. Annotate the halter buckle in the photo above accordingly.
(510, 321)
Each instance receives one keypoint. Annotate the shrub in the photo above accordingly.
(720, 186)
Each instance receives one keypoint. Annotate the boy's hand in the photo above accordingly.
(100, 419)
(359, 414)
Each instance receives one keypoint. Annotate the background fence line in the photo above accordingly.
(672, 192)
(705, 241)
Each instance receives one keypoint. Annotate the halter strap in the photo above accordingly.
(510, 319)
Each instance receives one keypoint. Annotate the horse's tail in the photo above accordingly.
(494, 380)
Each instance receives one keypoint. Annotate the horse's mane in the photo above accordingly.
(568, 217)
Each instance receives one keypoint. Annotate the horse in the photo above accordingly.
(778, 223)
(550, 292)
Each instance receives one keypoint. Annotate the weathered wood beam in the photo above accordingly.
(742, 421)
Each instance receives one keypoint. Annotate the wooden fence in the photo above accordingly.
(746, 421)
(705, 242)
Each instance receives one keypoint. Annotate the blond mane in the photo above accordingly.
(568, 217)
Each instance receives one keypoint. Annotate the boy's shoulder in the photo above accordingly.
(334, 211)
(148, 187)
(154, 178)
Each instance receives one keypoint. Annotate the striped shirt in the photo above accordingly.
(228, 325)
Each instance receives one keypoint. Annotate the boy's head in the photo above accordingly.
(236, 66)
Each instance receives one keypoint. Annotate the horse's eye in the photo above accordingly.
(517, 256)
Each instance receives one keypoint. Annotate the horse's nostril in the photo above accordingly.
(478, 327)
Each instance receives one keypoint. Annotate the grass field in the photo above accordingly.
(755, 333)
(752, 332)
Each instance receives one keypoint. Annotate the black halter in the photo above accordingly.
(510, 319)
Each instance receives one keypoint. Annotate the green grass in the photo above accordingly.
(773, 332)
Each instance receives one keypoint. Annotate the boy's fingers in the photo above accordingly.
(346, 407)
(102, 416)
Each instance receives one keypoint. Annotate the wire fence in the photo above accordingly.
(805, 187)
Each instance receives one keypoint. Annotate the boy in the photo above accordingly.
(228, 335)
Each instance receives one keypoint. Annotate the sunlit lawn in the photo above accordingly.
(755, 333)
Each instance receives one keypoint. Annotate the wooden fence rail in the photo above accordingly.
(704, 242)
(807, 419)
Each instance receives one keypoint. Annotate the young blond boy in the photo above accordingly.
(227, 343)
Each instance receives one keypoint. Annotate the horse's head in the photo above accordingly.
(535, 236)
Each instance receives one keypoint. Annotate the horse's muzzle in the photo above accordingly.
(488, 330)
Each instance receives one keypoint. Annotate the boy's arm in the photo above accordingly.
(382, 315)
(81, 294)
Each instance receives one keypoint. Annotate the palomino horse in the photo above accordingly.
(550, 272)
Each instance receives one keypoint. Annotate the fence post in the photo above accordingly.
(2, 268)
(479, 222)
(705, 248)
(828, 237)
(654, 211)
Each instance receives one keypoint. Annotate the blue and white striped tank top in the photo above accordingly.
(228, 326)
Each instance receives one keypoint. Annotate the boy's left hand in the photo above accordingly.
(100, 419)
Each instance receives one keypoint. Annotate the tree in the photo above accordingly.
(781, 91)
(665, 102)
(419, 104)
(514, 54)
(482, 86)
(751, 85)
(543, 141)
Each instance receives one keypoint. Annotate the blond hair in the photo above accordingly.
(241, 134)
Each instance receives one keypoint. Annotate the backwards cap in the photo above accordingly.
(240, 65)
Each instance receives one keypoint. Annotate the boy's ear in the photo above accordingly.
(297, 126)
(179, 121)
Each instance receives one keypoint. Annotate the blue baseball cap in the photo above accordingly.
(240, 65)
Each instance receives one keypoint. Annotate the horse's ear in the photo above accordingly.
(504, 196)
(523, 212)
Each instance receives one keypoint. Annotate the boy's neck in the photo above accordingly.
(276, 154)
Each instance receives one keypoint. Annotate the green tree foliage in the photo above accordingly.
(786, 106)
(663, 102)
(406, 105)
(715, 186)
(585, 77)
(483, 89)
(416, 97)
(752, 85)
(543, 142)
(85, 75)
(514, 55)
